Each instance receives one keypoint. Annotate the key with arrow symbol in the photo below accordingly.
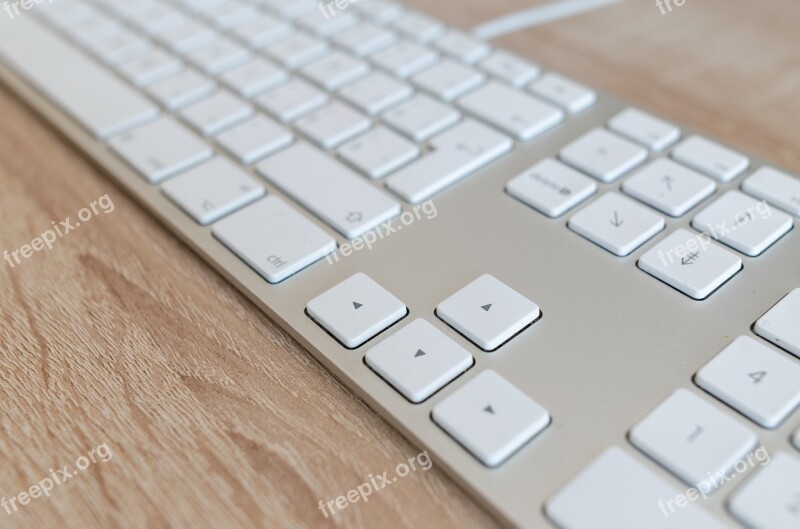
(689, 259)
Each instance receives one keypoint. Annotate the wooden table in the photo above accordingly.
(214, 417)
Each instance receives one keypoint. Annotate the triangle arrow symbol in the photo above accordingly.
(486, 307)
(489, 409)
(357, 305)
(420, 352)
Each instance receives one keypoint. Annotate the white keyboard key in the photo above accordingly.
(779, 324)
(230, 14)
(219, 56)
(297, 50)
(457, 153)
(160, 149)
(379, 152)
(188, 37)
(421, 117)
(381, 11)
(326, 27)
(150, 67)
(255, 77)
(693, 440)
(255, 139)
(603, 155)
(418, 26)
(711, 158)
(216, 113)
(418, 360)
(669, 187)
(511, 110)
(127, 10)
(743, 223)
(92, 30)
(376, 93)
(778, 189)
(292, 100)
(158, 19)
(551, 187)
(448, 79)
(690, 263)
(365, 39)
(93, 96)
(491, 417)
(461, 46)
(404, 59)
(182, 89)
(488, 312)
(121, 47)
(335, 71)
(617, 224)
(333, 125)
(65, 13)
(771, 498)
(356, 309)
(290, 8)
(273, 238)
(261, 31)
(617, 491)
(566, 93)
(758, 382)
(645, 129)
(510, 68)
(337, 195)
(212, 190)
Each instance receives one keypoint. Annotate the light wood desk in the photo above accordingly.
(215, 417)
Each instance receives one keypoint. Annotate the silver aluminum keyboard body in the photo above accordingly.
(613, 342)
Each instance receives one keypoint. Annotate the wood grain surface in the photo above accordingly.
(214, 417)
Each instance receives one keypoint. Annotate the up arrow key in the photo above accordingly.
(489, 409)
(486, 307)
(419, 353)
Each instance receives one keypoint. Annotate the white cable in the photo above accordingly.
(537, 16)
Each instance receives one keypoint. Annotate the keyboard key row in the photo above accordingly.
(486, 311)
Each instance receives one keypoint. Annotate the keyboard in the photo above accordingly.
(588, 315)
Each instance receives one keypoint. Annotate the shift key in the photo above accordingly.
(334, 193)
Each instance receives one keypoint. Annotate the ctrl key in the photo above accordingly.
(273, 238)
(491, 417)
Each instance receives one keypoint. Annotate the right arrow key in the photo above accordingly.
(491, 417)
(488, 312)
